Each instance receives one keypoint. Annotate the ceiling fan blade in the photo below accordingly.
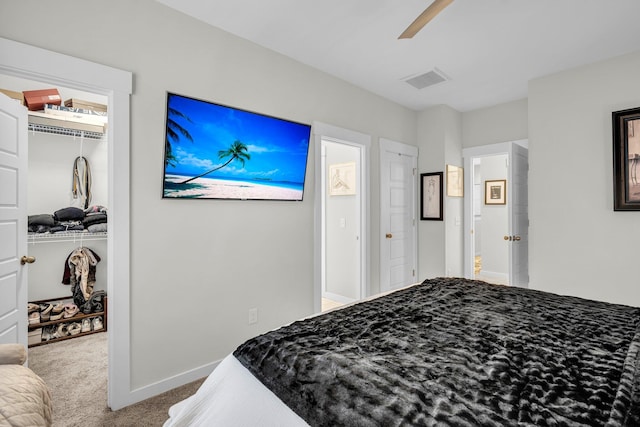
(424, 18)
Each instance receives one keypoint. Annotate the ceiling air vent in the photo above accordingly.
(427, 79)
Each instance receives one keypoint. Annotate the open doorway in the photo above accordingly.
(490, 220)
(496, 213)
(29, 62)
(341, 223)
(341, 216)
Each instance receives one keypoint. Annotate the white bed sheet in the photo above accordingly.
(232, 397)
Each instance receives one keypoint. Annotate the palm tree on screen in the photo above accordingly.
(238, 150)
(174, 130)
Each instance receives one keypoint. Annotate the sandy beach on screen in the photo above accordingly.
(226, 189)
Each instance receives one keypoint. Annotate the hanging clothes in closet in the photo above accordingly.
(80, 273)
(81, 187)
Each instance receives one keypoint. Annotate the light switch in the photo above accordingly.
(343, 223)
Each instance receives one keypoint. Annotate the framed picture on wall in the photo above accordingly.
(495, 192)
(431, 196)
(342, 179)
(626, 160)
(455, 181)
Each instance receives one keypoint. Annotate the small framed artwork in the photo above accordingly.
(342, 179)
(495, 192)
(431, 196)
(455, 181)
(626, 160)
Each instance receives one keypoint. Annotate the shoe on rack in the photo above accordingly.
(57, 311)
(31, 307)
(45, 312)
(86, 325)
(61, 331)
(74, 328)
(97, 323)
(57, 308)
(70, 310)
(46, 333)
(34, 318)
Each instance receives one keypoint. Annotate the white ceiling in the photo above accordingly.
(489, 49)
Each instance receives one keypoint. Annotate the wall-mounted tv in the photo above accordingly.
(214, 151)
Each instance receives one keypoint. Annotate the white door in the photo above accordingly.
(518, 205)
(13, 221)
(398, 210)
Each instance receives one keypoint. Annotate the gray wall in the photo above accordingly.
(499, 123)
(198, 266)
(578, 244)
(431, 234)
(440, 245)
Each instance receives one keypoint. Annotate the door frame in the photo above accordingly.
(405, 150)
(30, 62)
(468, 155)
(356, 139)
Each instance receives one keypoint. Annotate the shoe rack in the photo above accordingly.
(37, 335)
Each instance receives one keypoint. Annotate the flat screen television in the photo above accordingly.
(215, 151)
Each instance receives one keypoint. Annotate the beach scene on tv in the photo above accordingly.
(214, 151)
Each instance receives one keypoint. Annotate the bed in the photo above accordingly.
(447, 351)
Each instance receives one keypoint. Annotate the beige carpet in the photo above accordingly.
(76, 372)
(328, 304)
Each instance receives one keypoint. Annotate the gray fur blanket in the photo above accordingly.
(457, 352)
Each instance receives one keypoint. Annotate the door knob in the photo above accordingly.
(516, 238)
(27, 260)
(388, 235)
(507, 237)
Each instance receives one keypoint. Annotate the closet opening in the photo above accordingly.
(67, 199)
(30, 62)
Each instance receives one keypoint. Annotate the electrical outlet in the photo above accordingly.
(253, 316)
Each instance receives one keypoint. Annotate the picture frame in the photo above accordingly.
(431, 206)
(455, 181)
(495, 192)
(342, 179)
(626, 159)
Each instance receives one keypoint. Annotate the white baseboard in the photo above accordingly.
(170, 383)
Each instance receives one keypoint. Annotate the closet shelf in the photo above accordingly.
(41, 128)
(69, 236)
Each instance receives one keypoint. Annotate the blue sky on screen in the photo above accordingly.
(278, 148)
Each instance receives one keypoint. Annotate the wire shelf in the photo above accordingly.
(66, 236)
(56, 130)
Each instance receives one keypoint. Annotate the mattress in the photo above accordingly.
(232, 397)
